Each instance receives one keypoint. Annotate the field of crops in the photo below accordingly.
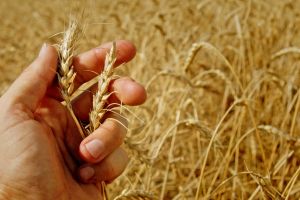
(223, 80)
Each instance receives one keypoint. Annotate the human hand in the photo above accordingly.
(42, 155)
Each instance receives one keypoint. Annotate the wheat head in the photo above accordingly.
(102, 95)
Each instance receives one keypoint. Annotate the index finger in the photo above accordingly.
(89, 64)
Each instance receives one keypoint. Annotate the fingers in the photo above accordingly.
(31, 86)
(107, 170)
(104, 140)
(102, 153)
(123, 90)
(127, 91)
(90, 63)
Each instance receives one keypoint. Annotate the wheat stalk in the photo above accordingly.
(102, 95)
(66, 74)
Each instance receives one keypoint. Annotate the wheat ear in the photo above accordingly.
(101, 96)
(66, 74)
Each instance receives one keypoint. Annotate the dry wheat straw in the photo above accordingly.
(196, 47)
(135, 195)
(102, 95)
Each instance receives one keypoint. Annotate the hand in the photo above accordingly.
(42, 155)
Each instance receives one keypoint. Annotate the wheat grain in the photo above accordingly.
(66, 73)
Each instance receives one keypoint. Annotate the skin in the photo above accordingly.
(42, 153)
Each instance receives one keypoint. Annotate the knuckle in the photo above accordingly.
(117, 130)
(113, 166)
(110, 171)
(19, 110)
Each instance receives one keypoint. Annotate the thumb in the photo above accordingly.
(31, 86)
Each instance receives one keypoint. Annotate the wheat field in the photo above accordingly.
(222, 117)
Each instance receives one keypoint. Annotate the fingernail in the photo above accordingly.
(95, 148)
(86, 173)
(43, 50)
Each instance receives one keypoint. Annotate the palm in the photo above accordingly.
(48, 141)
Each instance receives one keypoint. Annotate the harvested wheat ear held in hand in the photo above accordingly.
(66, 76)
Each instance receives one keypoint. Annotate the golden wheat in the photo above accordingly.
(197, 59)
(66, 74)
(102, 95)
